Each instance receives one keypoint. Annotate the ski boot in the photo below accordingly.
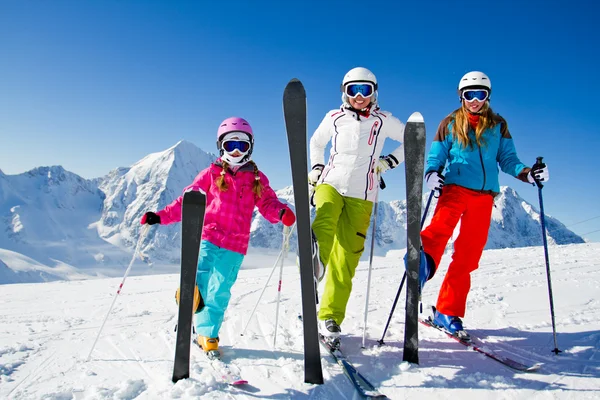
(330, 331)
(318, 266)
(210, 346)
(198, 300)
(426, 268)
(452, 325)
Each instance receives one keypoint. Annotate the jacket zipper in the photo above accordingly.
(482, 166)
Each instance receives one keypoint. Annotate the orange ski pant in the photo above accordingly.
(474, 211)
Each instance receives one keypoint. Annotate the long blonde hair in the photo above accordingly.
(257, 187)
(460, 127)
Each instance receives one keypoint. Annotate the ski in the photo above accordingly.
(192, 221)
(361, 384)
(478, 345)
(223, 371)
(414, 163)
(294, 110)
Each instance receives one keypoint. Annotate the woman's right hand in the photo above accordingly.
(315, 174)
(434, 181)
(150, 218)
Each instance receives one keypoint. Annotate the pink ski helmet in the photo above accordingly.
(234, 124)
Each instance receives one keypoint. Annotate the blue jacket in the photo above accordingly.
(475, 167)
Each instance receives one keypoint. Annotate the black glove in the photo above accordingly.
(150, 218)
(539, 172)
(434, 180)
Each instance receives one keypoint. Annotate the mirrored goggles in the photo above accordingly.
(231, 145)
(365, 89)
(475, 94)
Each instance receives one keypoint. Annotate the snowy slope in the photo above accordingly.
(46, 332)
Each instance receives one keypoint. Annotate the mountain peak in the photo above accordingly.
(55, 170)
(182, 144)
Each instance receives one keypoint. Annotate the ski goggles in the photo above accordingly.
(475, 94)
(231, 145)
(365, 89)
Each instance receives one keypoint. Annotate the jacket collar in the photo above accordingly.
(246, 167)
(357, 115)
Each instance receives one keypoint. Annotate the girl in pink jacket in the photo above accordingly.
(233, 186)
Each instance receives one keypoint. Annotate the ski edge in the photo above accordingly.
(509, 362)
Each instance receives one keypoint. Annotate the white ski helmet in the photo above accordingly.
(475, 80)
(359, 74)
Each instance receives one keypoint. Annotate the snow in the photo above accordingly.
(47, 330)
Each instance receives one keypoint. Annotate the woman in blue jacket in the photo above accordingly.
(470, 144)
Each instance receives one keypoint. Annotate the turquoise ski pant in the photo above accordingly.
(217, 272)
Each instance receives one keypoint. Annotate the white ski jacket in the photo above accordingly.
(356, 144)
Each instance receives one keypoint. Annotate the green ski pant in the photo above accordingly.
(340, 225)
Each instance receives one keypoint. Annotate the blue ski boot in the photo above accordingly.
(426, 268)
(452, 325)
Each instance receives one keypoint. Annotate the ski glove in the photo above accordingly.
(150, 218)
(434, 180)
(287, 217)
(386, 163)
(315, 174)
(538, 173)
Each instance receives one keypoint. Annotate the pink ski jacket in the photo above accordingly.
(228, 213)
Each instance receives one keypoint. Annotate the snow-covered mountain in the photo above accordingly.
(515, 223)
(48, 215)
(74, 227)
(149, 185)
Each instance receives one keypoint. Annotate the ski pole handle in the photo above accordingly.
(539, 164)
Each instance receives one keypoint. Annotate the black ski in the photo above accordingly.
(479, 346)
(361, 384)
(414, 161)
(192, 221)
(294, 110)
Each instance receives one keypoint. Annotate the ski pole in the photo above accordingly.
(285, 246)
(540, 164)
(382, 186)
(380, 341)
(265, 287)
(145, 230)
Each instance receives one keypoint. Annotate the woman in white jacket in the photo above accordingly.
(347, 186)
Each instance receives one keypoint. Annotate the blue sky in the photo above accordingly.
(96, 85)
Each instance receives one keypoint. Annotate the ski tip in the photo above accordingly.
(534, 368)
(415, 117)
(239, 382)
(294, 88)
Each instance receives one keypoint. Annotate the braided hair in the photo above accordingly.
(257, 186)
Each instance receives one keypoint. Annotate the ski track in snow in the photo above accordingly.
(47, 331)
